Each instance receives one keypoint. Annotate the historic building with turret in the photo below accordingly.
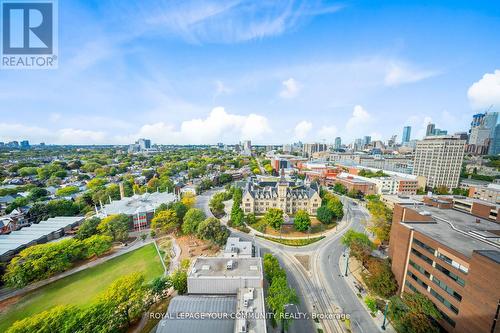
(287, 195)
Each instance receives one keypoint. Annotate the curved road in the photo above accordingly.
(322, 289)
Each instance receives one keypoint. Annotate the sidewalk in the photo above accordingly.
(8, 293)
(353, 283)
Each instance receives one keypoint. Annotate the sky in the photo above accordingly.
(202, 72)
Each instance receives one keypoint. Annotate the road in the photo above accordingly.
(322, 289)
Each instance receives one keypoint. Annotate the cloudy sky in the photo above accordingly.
(270, 71)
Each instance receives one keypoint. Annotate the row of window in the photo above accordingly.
(440, 268)
(446, 288)
(452, 263)
(444, 301)
(424, 246)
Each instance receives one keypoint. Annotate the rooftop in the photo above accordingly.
(237, 246)
(24, 236)
(457, 230)
(251, 302)
(218, 267)
(198, 305)
(146, 202)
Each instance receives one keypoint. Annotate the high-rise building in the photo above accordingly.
(481, 132)
(367, 140)
(430, 129)
(310, 148)
(495, 142)
(338, 142)
(144, 144)
(439, 160)
(406, 134)
(25, 144)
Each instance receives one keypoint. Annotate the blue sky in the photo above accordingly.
(270, 71)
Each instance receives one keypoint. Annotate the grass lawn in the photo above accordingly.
(82, 287)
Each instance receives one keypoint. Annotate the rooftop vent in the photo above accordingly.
(229, 265)
(253, 268)
(478, 221)
(425, 213)
(205, 267)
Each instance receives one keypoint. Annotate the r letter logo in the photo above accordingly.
(29, 39)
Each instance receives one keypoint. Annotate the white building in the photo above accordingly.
(439, 159)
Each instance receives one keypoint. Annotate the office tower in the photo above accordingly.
(430, 129)
(310, 148)
(366, 140)
(25, 144)
(144, 144)
(338, 142)
(406, 134)
(439, 160)
(495, 142)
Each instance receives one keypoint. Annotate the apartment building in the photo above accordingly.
(353, 183)
(452, 257)
(439, 160)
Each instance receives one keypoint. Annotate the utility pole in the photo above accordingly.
(385, 314)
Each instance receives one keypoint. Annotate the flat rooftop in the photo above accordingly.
(198, 305)
(456, 229)
(217, 267)
(251, 303)
(235, 245)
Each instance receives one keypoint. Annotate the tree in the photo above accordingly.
(237, 214)
(96, 183)
(339, 188)
(115, 226)
(192, 219)
(413, 314)
(380, 279)
(88, 228)
(279, 296)
(272, 268)
(67, 191)
(216, 204)
(250, 218)
(359, 244)
(371, 303)
(274, 218)
(126, 296)
(189, 199)
(302, 221)
(325, 214)
(211, 229)
(165, 221)
(179, 281)
(62, 318)
(97, 245)
(37, 193)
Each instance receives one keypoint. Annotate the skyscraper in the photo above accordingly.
(338, 142)
(430, 129)
(495, 142)
(367, 139)
(406, 134)
(439, 160)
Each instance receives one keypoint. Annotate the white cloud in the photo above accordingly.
(486, 91)
(400, 73)
(302, 129)
(218, 126)
(221, 88)
(327, 133)
(359, 117)
(291, 88)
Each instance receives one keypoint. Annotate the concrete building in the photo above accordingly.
(310, 148)
(451, 256)
(406, 134)
(353, 183)
(494, 148)
(439, 160)
(236, 248)
(287, 195)
(489, 193)
(338, 143)
(231, 287)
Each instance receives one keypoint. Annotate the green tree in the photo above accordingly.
(413, 314)
(380, 279)
(192, 219)
(115, 226)
(325, 215)
(96, 183)
(62, 318)
(211, 229)
(88, 228)
(359, 244)
(302, 221)
(371, 303)
(97, 245)
(339, 188)
(272, 268)
(280, 295)
(166, 221)
(274, 218)
(179, 281)
(66, 191)
(37, 193)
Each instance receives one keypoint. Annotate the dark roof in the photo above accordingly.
(491, 254)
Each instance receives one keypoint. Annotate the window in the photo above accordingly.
(424, 246)
(452, 262)
(451, 275)
(449, 290)
(421, 256)
(419, 268)
(420, 282)
(444, 301)
(447, 318)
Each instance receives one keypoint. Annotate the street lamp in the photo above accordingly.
(346, 255)
(385, 315)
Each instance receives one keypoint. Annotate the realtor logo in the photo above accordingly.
(29, 38)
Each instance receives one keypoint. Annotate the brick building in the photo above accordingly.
(452, 257)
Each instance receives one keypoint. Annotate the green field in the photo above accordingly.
(82, 287)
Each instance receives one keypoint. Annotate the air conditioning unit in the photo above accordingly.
(229, 265)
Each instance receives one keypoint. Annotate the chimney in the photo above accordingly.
(122, 191)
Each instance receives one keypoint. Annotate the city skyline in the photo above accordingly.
(290, 71)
